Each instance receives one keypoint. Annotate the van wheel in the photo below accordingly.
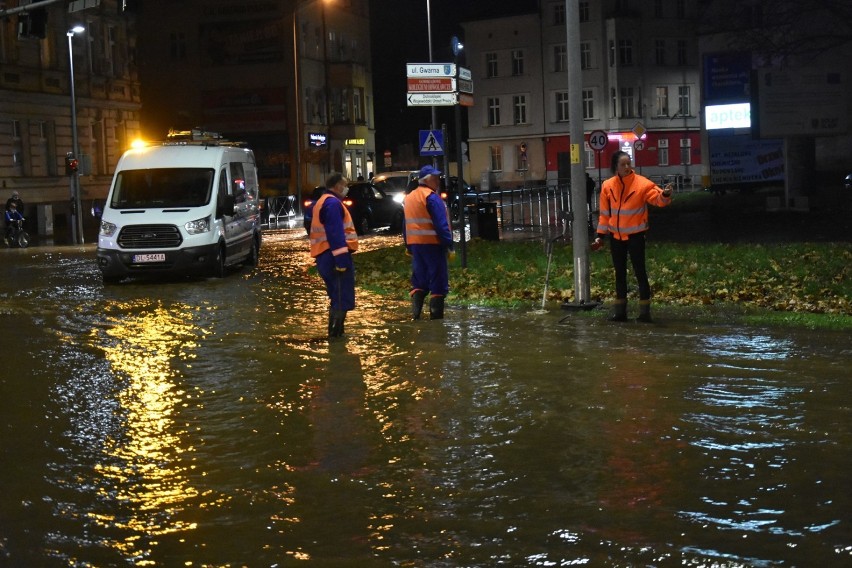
(254, 253)
(219, 267)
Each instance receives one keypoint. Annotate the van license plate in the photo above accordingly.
(139, 258)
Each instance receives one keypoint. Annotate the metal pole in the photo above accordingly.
(76, 213)
(582, 290)
(297, 146)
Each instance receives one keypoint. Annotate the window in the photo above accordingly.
(357, 108)
(661, 104)
(519, 105)
(588, 104)
(685, 151)
(560, 58)
(590, 156)
(496, 155)
(493, 107)
(684, 108)
(681, 52)
(625, 51)
(562, 106)
(517, 62)
(663, 153)
(660, 51)
(491, 64)
(559, 13)
(584, 11)
(177, 46)
(680, 7)
(613, 103)
(627, 102)
(521, 153)
(658, 8)
(585, 55)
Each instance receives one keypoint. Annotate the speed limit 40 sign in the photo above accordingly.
(598, 140)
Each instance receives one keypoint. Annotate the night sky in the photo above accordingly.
(399, 30)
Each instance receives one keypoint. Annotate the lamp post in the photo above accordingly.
(77, 213)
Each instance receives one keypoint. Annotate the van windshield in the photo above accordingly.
(162, 187)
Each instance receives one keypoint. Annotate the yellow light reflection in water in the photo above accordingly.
(144, 473)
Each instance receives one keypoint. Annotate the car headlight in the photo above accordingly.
(107, 228)
(399, 197)
(198, 226)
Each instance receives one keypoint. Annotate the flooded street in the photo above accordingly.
(209, 423)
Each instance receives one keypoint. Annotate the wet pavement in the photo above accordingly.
(210, 423)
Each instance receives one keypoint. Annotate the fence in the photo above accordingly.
(279, 211)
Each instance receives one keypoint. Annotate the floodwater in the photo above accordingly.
(208, 423)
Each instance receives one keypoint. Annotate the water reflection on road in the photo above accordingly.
(210, 423)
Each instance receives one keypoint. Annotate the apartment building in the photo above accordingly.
(640, 84)
(35, 113)
(291, 78)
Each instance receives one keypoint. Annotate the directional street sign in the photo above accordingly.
(431, 143)
(465, 74)
(431, 85)
(465, 86)
(431, 69)
(432, 99)
(465, 99)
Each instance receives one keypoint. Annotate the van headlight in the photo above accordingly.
(198, 226)
(107, 228)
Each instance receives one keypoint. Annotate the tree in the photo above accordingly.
(781, 31)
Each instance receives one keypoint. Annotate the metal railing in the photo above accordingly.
(279, 211)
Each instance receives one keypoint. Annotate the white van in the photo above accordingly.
(188, 206)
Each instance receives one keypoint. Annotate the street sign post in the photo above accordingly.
(598, 140)
(432, 99)
(431, 85)
(431, 69)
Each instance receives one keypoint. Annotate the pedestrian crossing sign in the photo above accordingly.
(431, 143)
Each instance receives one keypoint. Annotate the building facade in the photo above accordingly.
(640, 85)
(35, 113)
(291, 78)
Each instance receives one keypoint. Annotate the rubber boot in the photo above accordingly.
(644, 311)
(335, 323)
(620, 312)
(436, 308)
(417, 298)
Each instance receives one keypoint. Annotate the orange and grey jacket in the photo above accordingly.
(624, 205)
(426, 219)
(339, 241)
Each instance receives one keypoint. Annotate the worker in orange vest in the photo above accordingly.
(333, 240)
(429, 240)
(623, 207)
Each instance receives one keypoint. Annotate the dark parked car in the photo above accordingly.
(451, 195)
(371, 208)
(368, 205)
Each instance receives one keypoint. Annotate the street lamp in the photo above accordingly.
(77, 213)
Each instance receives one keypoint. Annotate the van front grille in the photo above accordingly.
(149, 237)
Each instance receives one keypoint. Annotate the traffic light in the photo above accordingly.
(71, 164)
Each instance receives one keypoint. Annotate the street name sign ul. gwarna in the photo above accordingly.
(430, 69)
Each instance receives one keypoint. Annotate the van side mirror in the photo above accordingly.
(226, 206)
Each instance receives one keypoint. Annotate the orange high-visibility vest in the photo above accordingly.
(419, 229)
(319, 239)
(624, 205)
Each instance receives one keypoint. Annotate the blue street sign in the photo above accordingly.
(431, 143)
